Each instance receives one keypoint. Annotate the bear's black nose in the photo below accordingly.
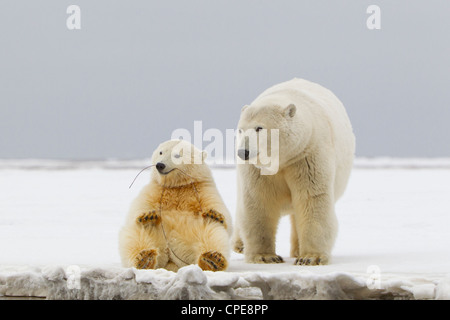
(160, 166)
(243, 154)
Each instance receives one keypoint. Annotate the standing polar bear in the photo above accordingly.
(179, 218)
(315, 152)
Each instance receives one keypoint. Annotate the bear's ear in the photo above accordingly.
(244, 107)
(290, 110)
(204, 155)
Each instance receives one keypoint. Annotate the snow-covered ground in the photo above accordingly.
(59, 222)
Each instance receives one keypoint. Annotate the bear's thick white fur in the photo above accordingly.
(181, 198)
(316, 151)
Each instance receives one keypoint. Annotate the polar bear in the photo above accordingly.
(179, 218)
(315, 152)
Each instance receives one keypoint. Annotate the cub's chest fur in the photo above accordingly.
(183, 198)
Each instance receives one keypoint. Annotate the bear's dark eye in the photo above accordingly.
(160, 152)
(177, 156)
(258, 129)
(240, 130)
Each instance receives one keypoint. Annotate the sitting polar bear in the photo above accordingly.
(179, 218)
(315, 153)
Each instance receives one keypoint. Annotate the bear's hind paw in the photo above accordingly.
(212, 261)
(146, 259)
(238, 246)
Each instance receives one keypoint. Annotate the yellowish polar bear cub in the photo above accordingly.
(314, 157)
(179, 218)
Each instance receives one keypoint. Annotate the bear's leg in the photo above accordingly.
(213, 247)
(142, 248)
(205, 243)
(295, 249)
(258, 225)
(316, 226)
(238, 244)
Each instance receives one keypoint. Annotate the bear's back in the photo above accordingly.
(301, 87)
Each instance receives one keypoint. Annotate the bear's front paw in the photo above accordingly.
(264, 258)
(146, 259)
(312, 259)
(212, 261)
(149, 218)
(214, 215)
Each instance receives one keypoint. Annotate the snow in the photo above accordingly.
(59, 222)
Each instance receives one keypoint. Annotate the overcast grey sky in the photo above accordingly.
(137, 70)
